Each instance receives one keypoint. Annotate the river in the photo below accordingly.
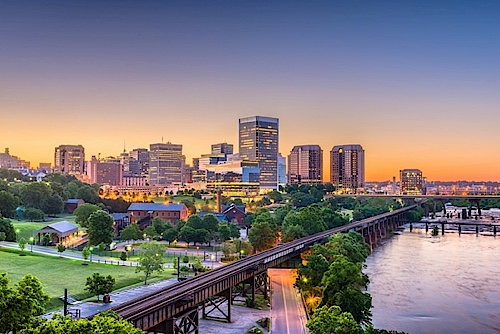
(444, 284)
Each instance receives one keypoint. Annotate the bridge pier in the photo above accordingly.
(216, 304)
(495, 231)
(442, 228)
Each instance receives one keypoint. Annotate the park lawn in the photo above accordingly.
(179, 198)
(57, 273)
(27, 229)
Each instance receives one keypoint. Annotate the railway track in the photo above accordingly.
(141, 306)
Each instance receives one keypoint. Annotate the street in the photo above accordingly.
(287, 313)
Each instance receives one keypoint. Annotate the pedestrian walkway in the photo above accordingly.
(88, 309)
(69, 254)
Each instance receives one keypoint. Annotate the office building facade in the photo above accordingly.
(305, 165)
(259, 142)
(222, 148)
(69, 159)
(347, 168)
(166, 164)
(412, 182)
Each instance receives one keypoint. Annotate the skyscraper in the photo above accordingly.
(347, 163)
(141, 155)
(305, 164)
(166, 164)
(69, 159)
(282, 177)
(222, 148)
(412, 182)
(258, 141)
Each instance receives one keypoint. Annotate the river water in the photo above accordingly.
(444, 284)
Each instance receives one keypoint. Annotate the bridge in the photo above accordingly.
(175, 309)
(474, 199)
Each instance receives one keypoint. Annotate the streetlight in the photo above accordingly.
(91, 249)
(17, 233)
(32, 240)
(213, 259)
(242, 253)
(197, 251)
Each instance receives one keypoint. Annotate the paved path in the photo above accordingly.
(287, 313)
(75, 255)
(69, 254)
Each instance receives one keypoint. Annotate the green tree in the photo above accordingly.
(224, 231)
(150, 259)
(88, 194)
(85, 253)
(20, 305)
(131, 232)
(54, 205)
(33, 214)
(35, 195)
(7, 228)
(311, 273)
(8, 204)
(2, 236)
(201, 236)
(170, 234)
(103, 322)
(100, 228)
(333, 321)
(342, 287)
(261, 236)
(150, 232)
(22, 244)
(292, 232)
(46, 240)
(99, 284)
(187, 234)
(83, 212)
(159, 225)
(235, 230)
(61, 248)
(275, 196)
(58, 189)
(195, 222)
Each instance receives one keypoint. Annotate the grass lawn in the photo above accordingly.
(27, 229)
(57, 273)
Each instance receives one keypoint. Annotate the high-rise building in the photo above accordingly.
(141, 156)
(222, 148)
(166, 164)
(108, 171)
(258, 141)
(412, 182)
(305, 165)
(347, 168)
(282, 177)
(69, 159)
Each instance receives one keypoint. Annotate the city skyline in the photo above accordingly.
(416, 84)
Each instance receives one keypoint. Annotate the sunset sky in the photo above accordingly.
(416, 83)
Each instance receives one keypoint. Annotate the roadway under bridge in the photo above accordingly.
(175, 310)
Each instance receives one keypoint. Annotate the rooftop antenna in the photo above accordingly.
(124, 150)
(162, 139)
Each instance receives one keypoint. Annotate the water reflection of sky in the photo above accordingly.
(445, 284)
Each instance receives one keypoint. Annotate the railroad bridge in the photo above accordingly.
(175, 309)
